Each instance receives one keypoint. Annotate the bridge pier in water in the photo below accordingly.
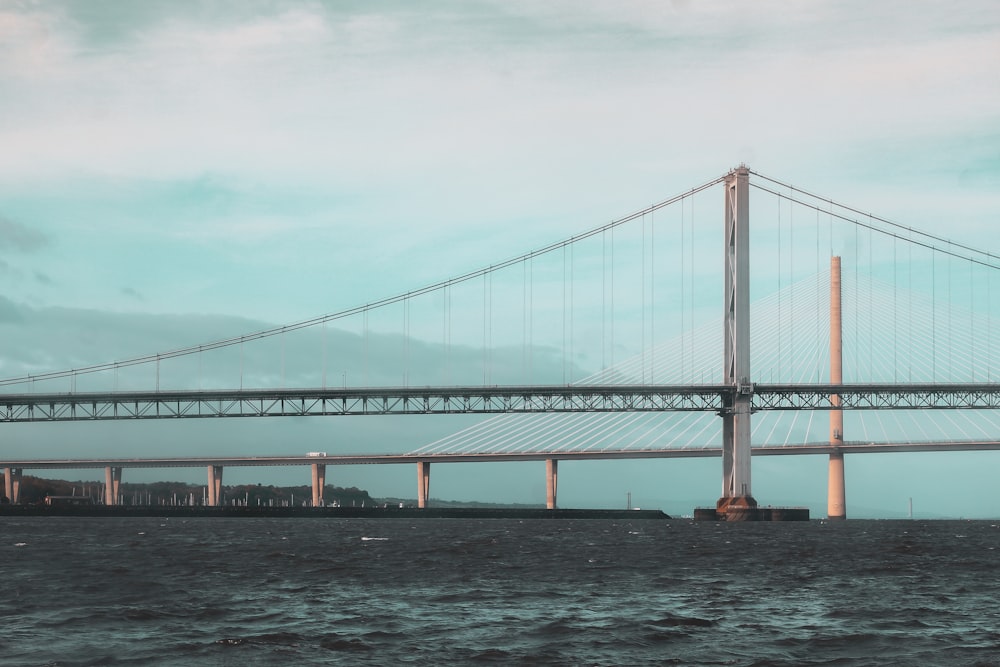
(551, 482)
(12, 484)
(318, 483)
(423, 483)
(214, 486)
(112, 484)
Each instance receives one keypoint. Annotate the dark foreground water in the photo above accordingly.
(153, 591)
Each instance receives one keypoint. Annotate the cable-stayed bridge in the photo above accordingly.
(610, 344)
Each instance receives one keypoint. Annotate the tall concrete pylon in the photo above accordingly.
(836, 501)
(736, 491)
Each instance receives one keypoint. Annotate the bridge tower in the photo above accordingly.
(836, 504)
(736, 493)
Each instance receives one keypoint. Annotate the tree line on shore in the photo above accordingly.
(34, 490)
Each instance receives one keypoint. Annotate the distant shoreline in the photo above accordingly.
(326, 512)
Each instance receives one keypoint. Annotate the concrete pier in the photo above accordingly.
(214, 485)
(12, 484)
(318, 483)
(112, 484)
(423, 483)
(836, 503)
(551, 482)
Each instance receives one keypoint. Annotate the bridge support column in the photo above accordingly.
(736, 492)
(423, 483)
(12, 484)
(836, 499)
(318, 483)
(214, 485)
(551, 482)
(112, 483)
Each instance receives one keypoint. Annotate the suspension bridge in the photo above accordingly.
(867, 335)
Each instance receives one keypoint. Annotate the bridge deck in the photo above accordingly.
(32, 407)
(363, 459)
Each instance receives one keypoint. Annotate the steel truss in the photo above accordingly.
(486, 400)
(876, 396)
(331, 402)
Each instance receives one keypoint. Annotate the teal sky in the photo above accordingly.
(177, 172)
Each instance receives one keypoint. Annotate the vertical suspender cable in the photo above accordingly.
(449, 335)
(933, 317)
(691, 285)
(642, 305)
(490, 376)
(780, 323)
(485, 310)
(484, 328)
(856, 345)
(871, 270)
(406, 341)
(819, 362)
(972, 321)
(791, 273)
(909, 307)
(612, 312)
(524, 319)
(444, 330)
(683, 297)
(531, 319)
(829, 232)
(564, 314)
(949, 312)
(604, 296)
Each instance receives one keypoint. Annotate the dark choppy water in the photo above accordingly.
(142, 591)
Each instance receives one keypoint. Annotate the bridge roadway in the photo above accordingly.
(13, 469)
(364, 459)
(81, 406)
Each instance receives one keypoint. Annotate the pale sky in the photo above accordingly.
(177, 172)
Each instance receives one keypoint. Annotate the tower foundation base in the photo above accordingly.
(745, 508)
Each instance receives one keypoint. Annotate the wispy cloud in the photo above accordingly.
(132, 294)
(15, 236)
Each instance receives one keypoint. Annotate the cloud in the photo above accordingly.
(10, 312)
(16, 236)
(132, 294)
